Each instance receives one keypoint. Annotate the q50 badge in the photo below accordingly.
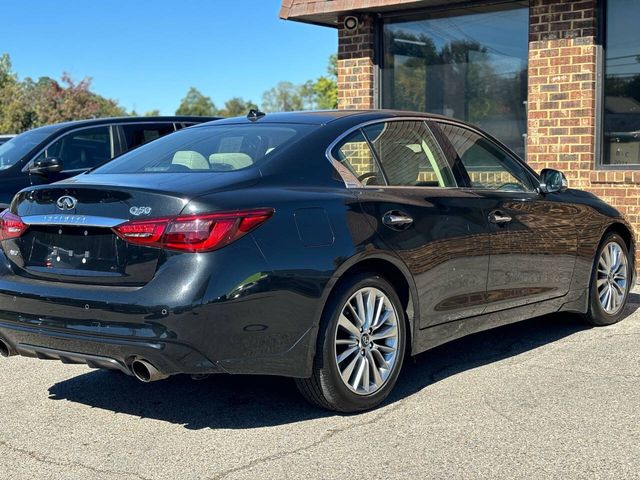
(140, 211)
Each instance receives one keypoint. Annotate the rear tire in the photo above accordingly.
(610, 282)
(357, 361)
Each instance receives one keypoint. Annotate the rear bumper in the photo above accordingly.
(223, 311)
(104, 352)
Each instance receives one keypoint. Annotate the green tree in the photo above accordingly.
(319, 94)
(26, 104)
(284, 97)
(152, 113)
(195, 103)
(236, 107)
(325, 88)
(14, 115)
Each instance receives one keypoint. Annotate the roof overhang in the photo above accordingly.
(327, 12)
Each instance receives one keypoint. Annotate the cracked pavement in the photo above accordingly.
(544, 398)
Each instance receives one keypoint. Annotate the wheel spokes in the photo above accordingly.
(611, 276)
(366, 340)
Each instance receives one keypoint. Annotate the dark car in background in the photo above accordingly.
(55, 152)
(321, 246)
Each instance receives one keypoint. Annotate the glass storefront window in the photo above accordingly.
(469, 64)
(622, 84)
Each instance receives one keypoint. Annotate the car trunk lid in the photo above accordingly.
(70, 235)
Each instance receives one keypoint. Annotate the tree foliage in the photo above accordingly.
(28, 103)
(237, 107)
(195, 103)
(284, 97)
(321, 93)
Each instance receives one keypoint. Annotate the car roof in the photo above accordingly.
(323, 117)
(116, 120)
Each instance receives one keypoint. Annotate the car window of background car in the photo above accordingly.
(409, 154)
(355, 154)
(487, 165)
(15, 149)
(81, 149)
(205, 149)
(141, 133)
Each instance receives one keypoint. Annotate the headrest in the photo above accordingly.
(236, 160)
(190, 159)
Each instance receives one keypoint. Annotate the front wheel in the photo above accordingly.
(610, 282)
(361, 346)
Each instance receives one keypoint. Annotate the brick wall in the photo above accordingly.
(355, 65)
(562, 102)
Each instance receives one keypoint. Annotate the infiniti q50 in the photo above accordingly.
(323, 246)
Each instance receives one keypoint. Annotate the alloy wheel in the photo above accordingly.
(611, 278)
(366, 341)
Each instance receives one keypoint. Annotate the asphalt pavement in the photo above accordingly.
(546, 398)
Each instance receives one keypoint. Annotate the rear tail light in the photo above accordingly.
(11, 226)
(193, 233)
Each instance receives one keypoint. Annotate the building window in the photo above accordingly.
(470, 64)
(622, 84)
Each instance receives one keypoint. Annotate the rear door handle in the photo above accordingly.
(397, 220)
(499, 217)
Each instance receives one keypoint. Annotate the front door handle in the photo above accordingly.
(397, 220)
(499, 217)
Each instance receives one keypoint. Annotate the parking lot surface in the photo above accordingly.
(547, 398)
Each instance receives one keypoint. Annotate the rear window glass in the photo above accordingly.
(207, 149)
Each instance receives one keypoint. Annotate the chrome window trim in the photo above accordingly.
(350, 180)
(73, 220)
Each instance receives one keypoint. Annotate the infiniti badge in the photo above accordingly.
(66, 202)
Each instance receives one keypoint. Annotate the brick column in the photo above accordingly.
(356, 65)
(562, 87)
(562, 103)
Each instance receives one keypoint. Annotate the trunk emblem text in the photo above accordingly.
(66, 202)
(140, 211)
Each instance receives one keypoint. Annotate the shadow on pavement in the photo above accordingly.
(242, 402)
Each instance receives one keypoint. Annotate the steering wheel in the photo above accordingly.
(364, 176)
(512, 187)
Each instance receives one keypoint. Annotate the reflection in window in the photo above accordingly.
(469, 64)
(487, 166)
(622, 84)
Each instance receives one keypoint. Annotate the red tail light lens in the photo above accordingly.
(11, 226)
(142, 232)
(193, 233)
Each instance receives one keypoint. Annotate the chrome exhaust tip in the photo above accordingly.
(6, 350)
(146, 372)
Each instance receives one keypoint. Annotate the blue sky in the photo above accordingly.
(146, 54)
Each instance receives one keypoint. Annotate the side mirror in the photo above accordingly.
(46, 165)
(552, 181)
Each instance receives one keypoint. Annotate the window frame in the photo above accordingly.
(122, 136)
(600, 94)
(350, 180)
(434, 12)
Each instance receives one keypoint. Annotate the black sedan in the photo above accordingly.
(323, 246)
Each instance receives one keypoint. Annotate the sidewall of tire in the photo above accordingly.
(335, 391)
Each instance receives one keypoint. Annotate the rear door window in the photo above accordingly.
(82, 149)
(141, 133)
(409, 154)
